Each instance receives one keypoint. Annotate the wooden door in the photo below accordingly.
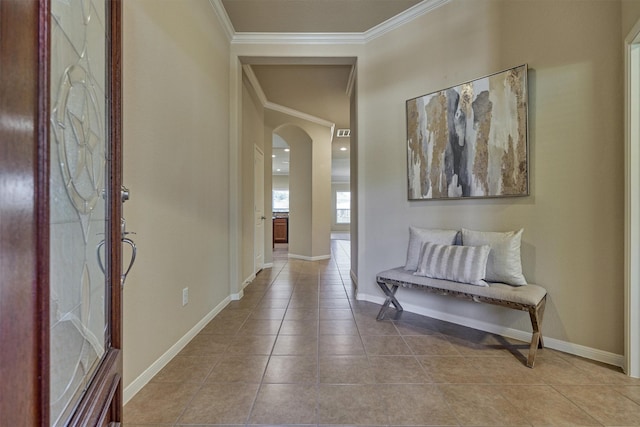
(59, 129)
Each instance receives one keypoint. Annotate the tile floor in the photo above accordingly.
(299, 350)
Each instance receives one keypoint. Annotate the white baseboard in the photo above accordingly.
(142, 380)
(310, 258)
(556, 344)
(238, 296)
(248, 280)
(268, 265)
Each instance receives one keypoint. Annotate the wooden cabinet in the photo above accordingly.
(281, 230)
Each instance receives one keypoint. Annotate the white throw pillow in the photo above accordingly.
(465, 264)
(417, 238)
(504, 264)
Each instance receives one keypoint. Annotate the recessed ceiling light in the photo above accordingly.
(273, 155)
(277, 170)
(286, 150)
(343, 149)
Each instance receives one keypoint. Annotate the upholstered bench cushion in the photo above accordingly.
(528, 295)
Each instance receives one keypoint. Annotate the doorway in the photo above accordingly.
(632, 203)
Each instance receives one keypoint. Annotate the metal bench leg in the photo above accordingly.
(536, 315)
(390, 292)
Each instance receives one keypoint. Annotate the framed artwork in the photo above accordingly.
(470, 140)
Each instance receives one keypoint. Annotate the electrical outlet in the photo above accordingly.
(185, 296)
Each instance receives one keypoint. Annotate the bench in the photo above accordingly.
(531, 298)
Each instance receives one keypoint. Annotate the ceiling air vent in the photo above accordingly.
(344, 133)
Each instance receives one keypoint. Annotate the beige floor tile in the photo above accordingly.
(338, 327)
(260, 327)
(299, 327)
(159, 403)
(370, 326)
(220, 403)
(292, 369)
(207, 344)
(431, 345)
(279, 404)
(223, 326)
(454, 369)
(544, 406)
(251, 344)
(398, 370)
(557, 371)
(340, 345)
(296, 345)
(187, 369)
(417, 405)
(481, 405)
(352, 404)
(268, 314)
(632, 392)
(604, 403)
(381, 345)
(239, 368)
(345, 370)
(334, 303)
(301, 314)
(336, 314)
(416, 371)
(508, 370)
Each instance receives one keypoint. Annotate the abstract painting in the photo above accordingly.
(470, 140)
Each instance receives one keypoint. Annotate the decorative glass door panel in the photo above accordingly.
(79, 200)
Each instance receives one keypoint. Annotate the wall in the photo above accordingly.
(573, 219)
(176, 121)
(252, 136)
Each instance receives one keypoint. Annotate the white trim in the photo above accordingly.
(298, 38)
(142, 380)
(251, 76)
(379, 30)
(632, 205)
(309, 258)
(299, 114)
(268, 265)
(354, 278)
(221, 14)
(563, 346)
(405, 17)
(248, 280)
(238, 296)
(352, 81)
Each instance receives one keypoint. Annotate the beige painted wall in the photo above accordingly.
(252, 136)
(573, 220)
(176, 157)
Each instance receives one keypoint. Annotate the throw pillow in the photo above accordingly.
(465, 264)
(504, 264)
(417, 238)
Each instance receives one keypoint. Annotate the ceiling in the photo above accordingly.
(312, 16)
(320, 91)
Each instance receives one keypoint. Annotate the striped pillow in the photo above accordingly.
(465, 264)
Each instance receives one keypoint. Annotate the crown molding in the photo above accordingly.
(351, 82)
(251, 76)
(390, 24)
(222, 16)
(405, 17)
(299, 114)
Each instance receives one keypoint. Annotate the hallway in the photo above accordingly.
(298, 349)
